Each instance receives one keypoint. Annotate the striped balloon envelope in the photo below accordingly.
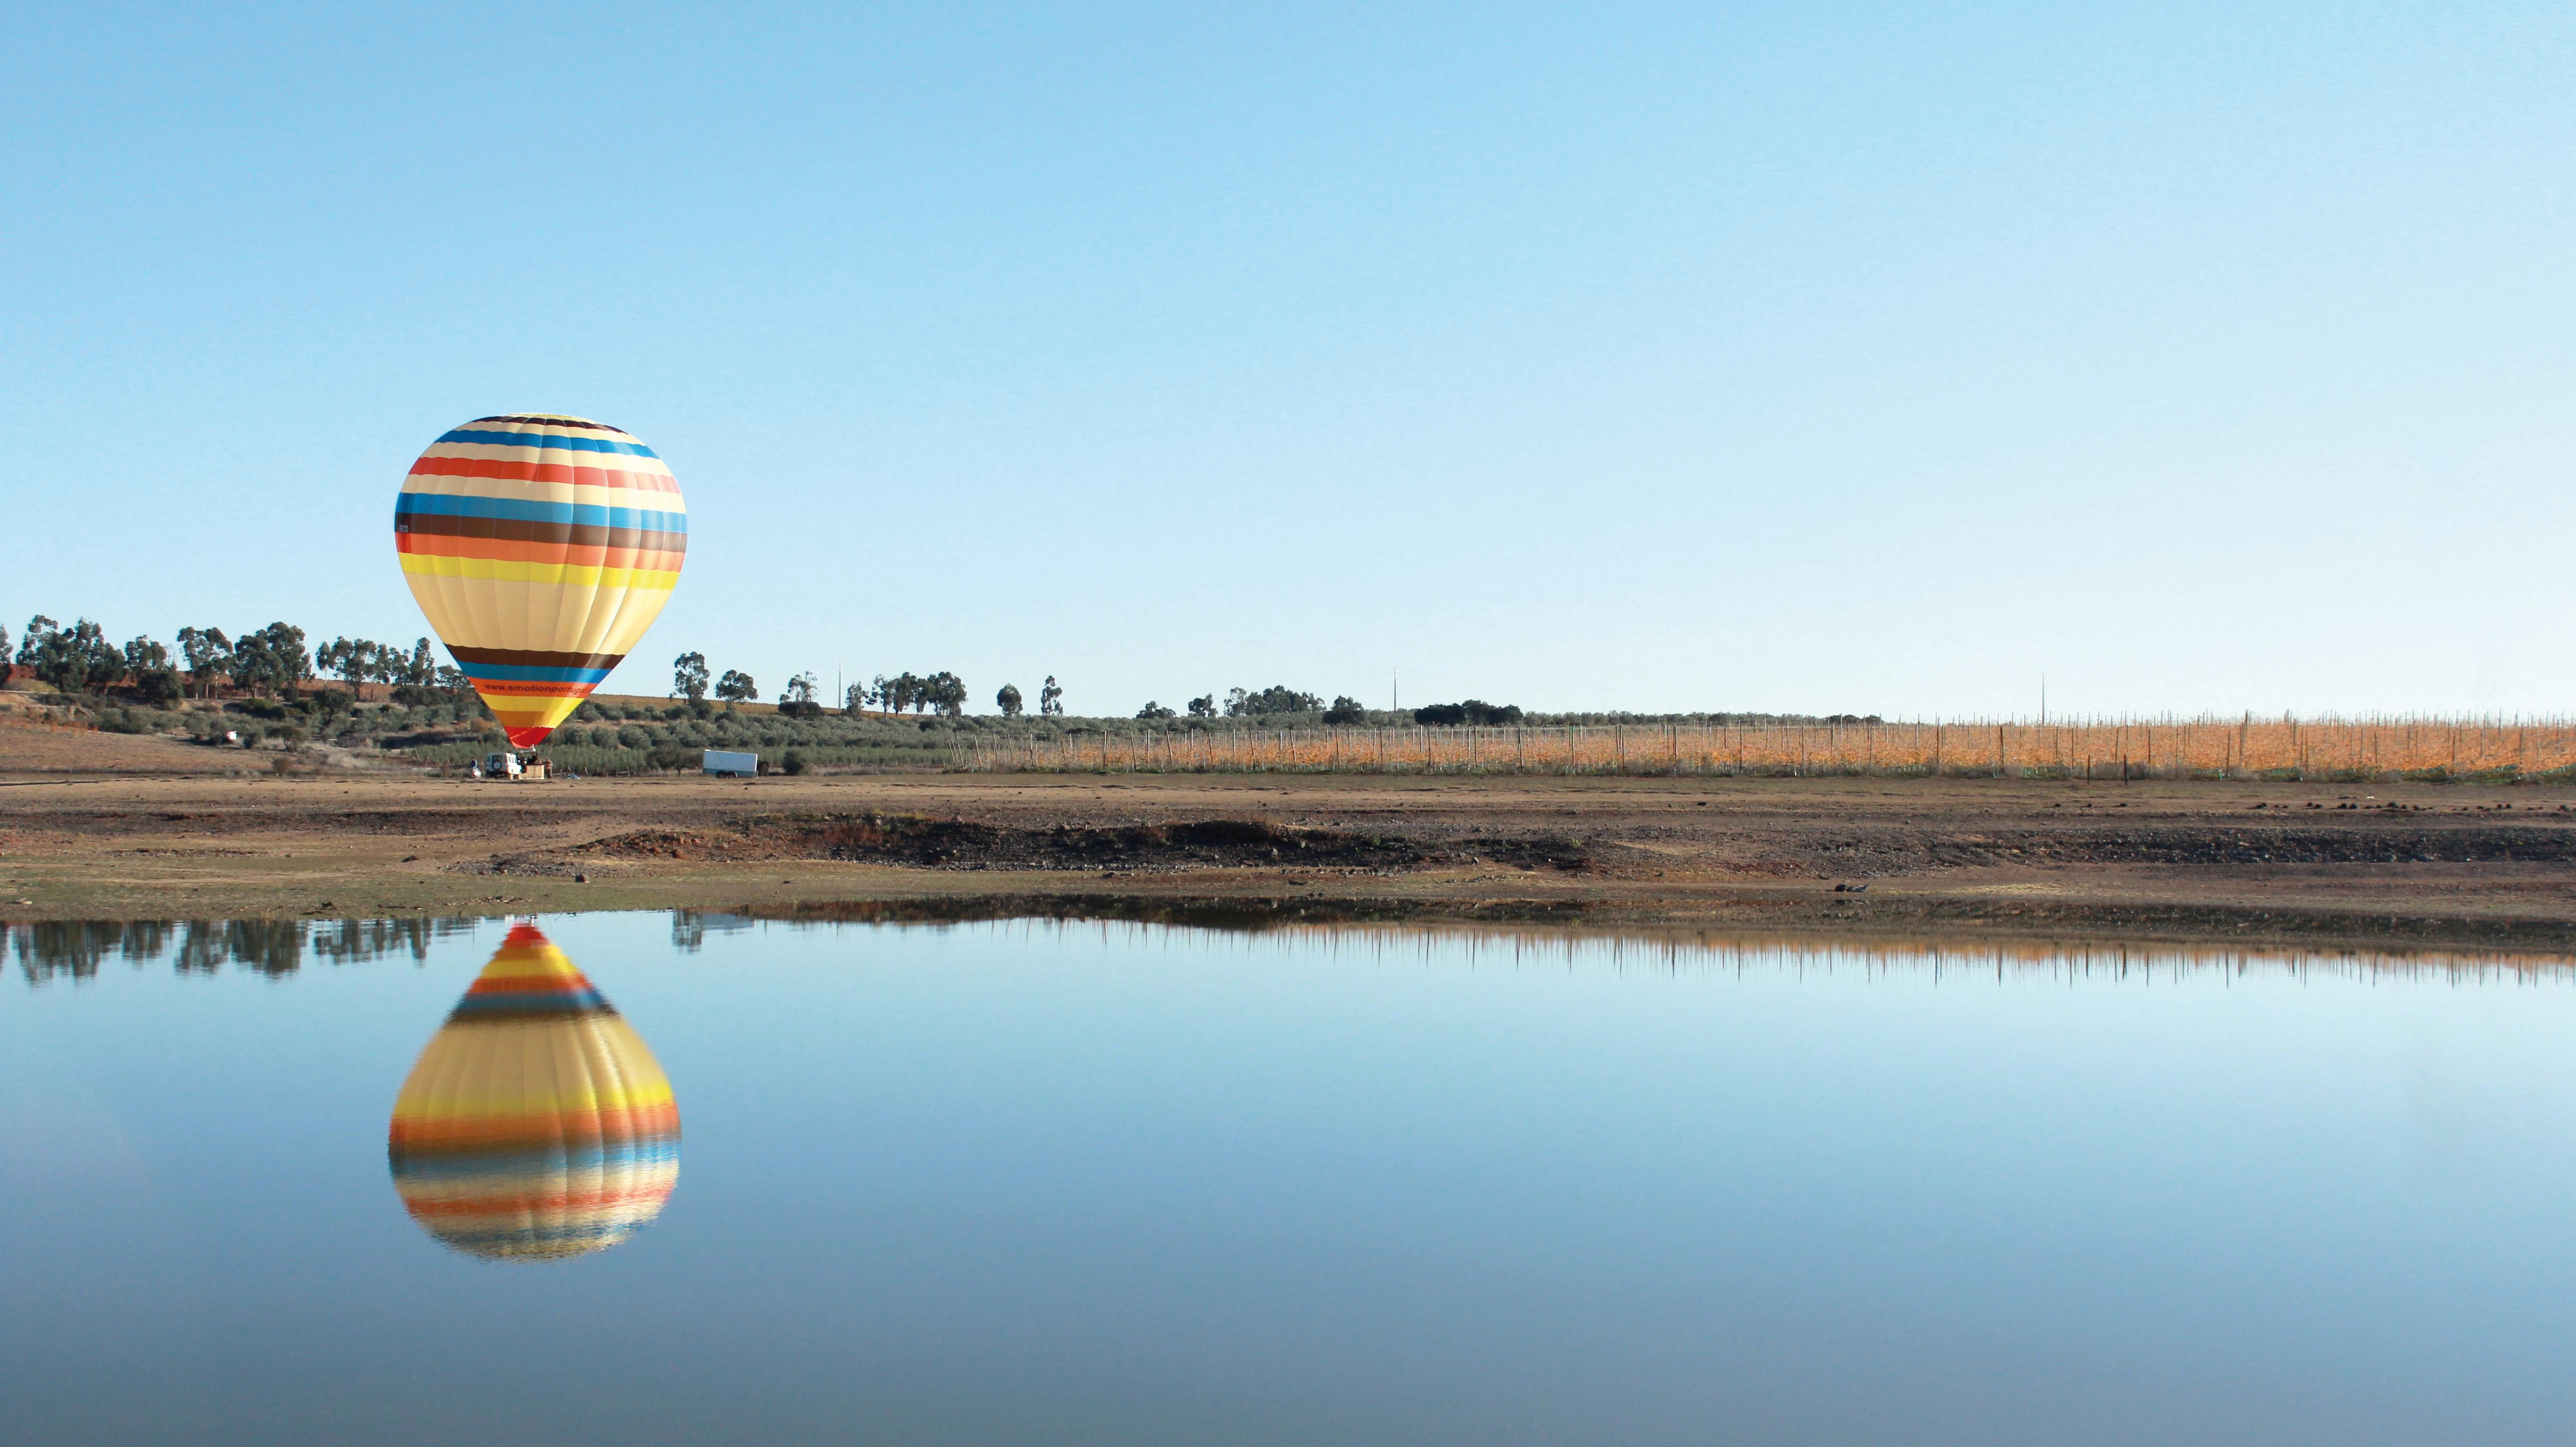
(535, 1125)
(541, 547)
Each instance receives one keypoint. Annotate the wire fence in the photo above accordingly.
(2494, 750)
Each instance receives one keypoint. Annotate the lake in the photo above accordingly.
(654, 1178)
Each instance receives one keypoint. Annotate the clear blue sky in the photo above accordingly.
(1650, 357)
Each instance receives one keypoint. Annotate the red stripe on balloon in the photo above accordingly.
(541, 472)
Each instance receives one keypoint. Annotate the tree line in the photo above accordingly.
(77, 658)
(941, 692)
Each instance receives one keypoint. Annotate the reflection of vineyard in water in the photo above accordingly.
(76, 949)
(1706, 952)
(278, 948)
(2493, 750)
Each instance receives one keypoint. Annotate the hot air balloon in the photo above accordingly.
(535, 1125)
(541, 547)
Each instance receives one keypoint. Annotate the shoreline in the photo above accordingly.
(2407, 866)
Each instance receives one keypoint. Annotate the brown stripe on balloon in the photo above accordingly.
(521, 530)
(554, 422)
(536, 658)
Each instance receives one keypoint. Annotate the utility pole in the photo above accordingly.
(1394, 692)
(2043, 698)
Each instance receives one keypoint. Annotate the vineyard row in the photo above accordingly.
(2242, 748)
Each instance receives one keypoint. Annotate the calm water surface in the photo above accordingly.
(1022, 1184)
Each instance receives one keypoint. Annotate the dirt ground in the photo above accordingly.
(2433, 866)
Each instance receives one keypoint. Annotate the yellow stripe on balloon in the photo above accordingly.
(503, 570)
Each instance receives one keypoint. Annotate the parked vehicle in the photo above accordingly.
(727, 764)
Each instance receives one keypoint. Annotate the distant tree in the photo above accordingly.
(736, 687)
(272, 660)
(4, 650)
(148, 664)
(421, 669)
(1203, 706)
(1474, 711)
(855, 700)
(1008, 700)
(797, 699)
(689, 676)
(945, 692)
(32, 645)
(208, 654)
(1345, 711)
(1153, 710)
(77, 659)
(355, 660)
(1277, 698)
(1050, 699)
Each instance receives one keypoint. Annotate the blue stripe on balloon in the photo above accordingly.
(546, 439)
(533, 673)
(509, 1165)
(439, 504)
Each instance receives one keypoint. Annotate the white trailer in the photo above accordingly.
(726, 764)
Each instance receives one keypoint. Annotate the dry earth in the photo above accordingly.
(2376, 866)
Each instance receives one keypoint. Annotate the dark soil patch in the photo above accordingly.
(2204, 845)
(969, 844)
(1251, 914)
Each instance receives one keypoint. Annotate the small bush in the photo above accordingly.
(792, 762)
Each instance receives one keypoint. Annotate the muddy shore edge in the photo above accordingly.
(2427, 867)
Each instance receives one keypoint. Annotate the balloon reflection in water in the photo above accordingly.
(536, 1125)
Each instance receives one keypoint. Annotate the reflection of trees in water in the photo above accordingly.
(689, 927)
(201, 949)
(355, 941)
(65, 947)
(144, 940)
(272, 947)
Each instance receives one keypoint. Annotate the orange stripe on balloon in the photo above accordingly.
(542, 472)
